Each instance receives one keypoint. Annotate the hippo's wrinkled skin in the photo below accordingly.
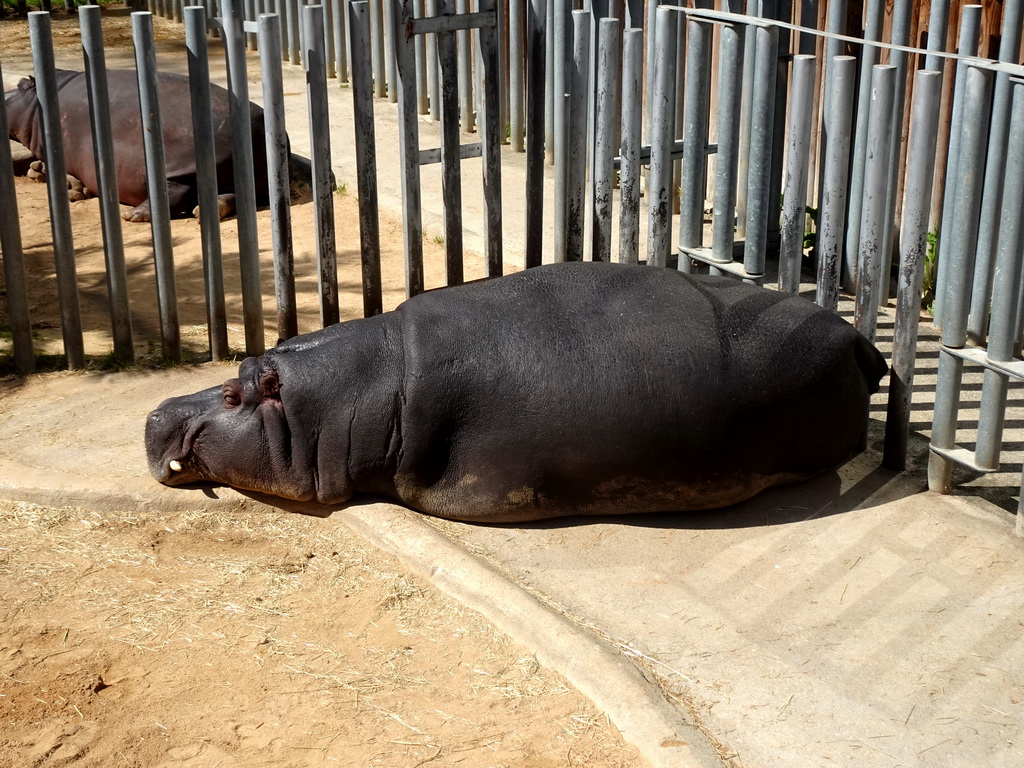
(567, 389)
(129, 153)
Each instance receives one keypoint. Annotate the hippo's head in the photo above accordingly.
(236, 434)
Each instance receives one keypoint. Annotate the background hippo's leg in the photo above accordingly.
(76, 189)
(225, 207)
(180, 198)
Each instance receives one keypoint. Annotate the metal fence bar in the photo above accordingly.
(535, 24)
(659, 205)
(549, 82)
(743, 169)
(278, 176)
(629, 166)
(389, 50)
(56, 188)
(451, 177)
(366, 159)
(977, 324)
(377, 21)
(960, 253)
(970, 23)
(562, 23)
(14, 257)
(341, 40)
(834, 47)
(420, 50)
(900, 36)
(875, 14)
(491, 137)
(695, 138)
(433, 82)
(798, 152)
(872, 227)
(1006, 291)
(604, 139)
(579, 88)
(917, 194)
(110, 209)
(313, 57)
(245, 179)
(938, 25)
(156, 183)
(730, 79)
(761, 138)
(408, 143)
(294, 23)
(464, 63)
(516, 56)
(206, 180)
(839, 90)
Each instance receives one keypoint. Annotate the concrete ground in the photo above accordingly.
(853, 620)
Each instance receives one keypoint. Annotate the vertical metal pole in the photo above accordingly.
(924, 122)
(900, 36)
(56, 188)
(761, 137)
(366, 159)
(650, 36)
(389, 50)
(341, 40)
(629, 164)
(876, 155)
(464, 62)
(433, 81)
(409, 148)
(294, 23)
(1009, 45)
(451, 178)
(377, 21)
(206, 180)
(245, 179)
(329, 36)
(938, 27)
(833, 47)
(562, 75)
(868, 59)
(110, 209)
(695, 138)
(960, 253)
(491, 129)
(659, 206)
(743, 169)
(283, 10)
(604, 130)
(730, 79)
(156, 182)
(420, 46)
(970, 23)
(249, 14)
(1005, 294)
(579, 88)
(13, 257)
(313, 57)
(535, 24)
(798, 150)
(516, 59)
(839, 92)
(549, 82)
(277, 168)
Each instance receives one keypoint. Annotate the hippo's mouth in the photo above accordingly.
(181, 466)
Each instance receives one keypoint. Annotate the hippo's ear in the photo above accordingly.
(27, 84)
(270, 386)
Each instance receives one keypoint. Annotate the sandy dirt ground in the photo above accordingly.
(140, 639)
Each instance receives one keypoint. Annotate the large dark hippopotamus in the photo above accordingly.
(578, 388)
(129, 153)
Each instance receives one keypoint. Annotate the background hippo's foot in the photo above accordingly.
(37, 171)
(139, 214)
(225, 207)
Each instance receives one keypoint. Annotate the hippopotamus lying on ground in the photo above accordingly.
(578, 388)
(129, 154)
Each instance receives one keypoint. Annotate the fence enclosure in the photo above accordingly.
(652, 115)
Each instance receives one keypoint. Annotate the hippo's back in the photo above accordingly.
(572, 388)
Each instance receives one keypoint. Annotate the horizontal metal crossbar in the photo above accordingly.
(703, 255)
(1013, 368)
(676, 153)
(963, 456)
(432, 24)
(466, 151)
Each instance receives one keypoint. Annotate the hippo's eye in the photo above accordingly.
(231, 397)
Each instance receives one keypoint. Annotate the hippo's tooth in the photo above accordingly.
(175, 465)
